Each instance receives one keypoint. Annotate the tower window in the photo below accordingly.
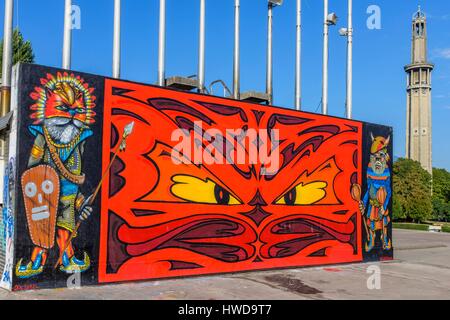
(416, 77)
(419, 29)
(424, 76)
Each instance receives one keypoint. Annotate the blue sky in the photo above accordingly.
(379, 55)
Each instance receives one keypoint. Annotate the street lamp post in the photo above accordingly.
(329, 19)
(269, 72)
(348, 32)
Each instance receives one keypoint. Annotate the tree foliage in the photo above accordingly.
(412, 191)
(441, 195)
(22, 50)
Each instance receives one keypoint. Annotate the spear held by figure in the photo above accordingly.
(356, 195)
(120, 147)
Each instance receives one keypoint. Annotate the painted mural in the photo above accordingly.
(8, 224)
(122, 181)
(376, 201)
(54, 204)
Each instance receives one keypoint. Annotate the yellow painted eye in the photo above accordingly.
(304, 194)
(196, 190)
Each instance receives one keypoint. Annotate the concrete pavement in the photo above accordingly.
(421, 271)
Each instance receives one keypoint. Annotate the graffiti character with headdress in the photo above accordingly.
(62, 114)
(375, 203)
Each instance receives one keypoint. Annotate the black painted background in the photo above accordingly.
(377, 253)
(87, 239)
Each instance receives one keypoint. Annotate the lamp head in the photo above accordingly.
(343, 32)
(332, 19)
(276, 2)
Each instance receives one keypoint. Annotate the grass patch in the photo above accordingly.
(410, 226)
(415, 226)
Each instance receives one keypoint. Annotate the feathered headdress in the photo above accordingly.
(69, 88)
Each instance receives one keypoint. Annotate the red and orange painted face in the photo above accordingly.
(63, 96)
(182, 217)
(59, 106)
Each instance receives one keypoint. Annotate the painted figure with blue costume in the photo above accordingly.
(376, 200)
(63, 111)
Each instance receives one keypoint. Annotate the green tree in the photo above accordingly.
(441, 195)
(412, 191)
(22, 50)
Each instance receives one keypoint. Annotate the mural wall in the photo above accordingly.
(122, 181)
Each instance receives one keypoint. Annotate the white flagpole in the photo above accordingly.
(116, 44)
(67, 45)
(162, 44)
(325, 59)
(236, 62)
(350, 61)
(201, 49)
(298, 59)
(269, 77)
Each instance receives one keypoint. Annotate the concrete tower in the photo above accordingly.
(418, 106)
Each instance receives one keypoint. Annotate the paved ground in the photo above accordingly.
(421, 271)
